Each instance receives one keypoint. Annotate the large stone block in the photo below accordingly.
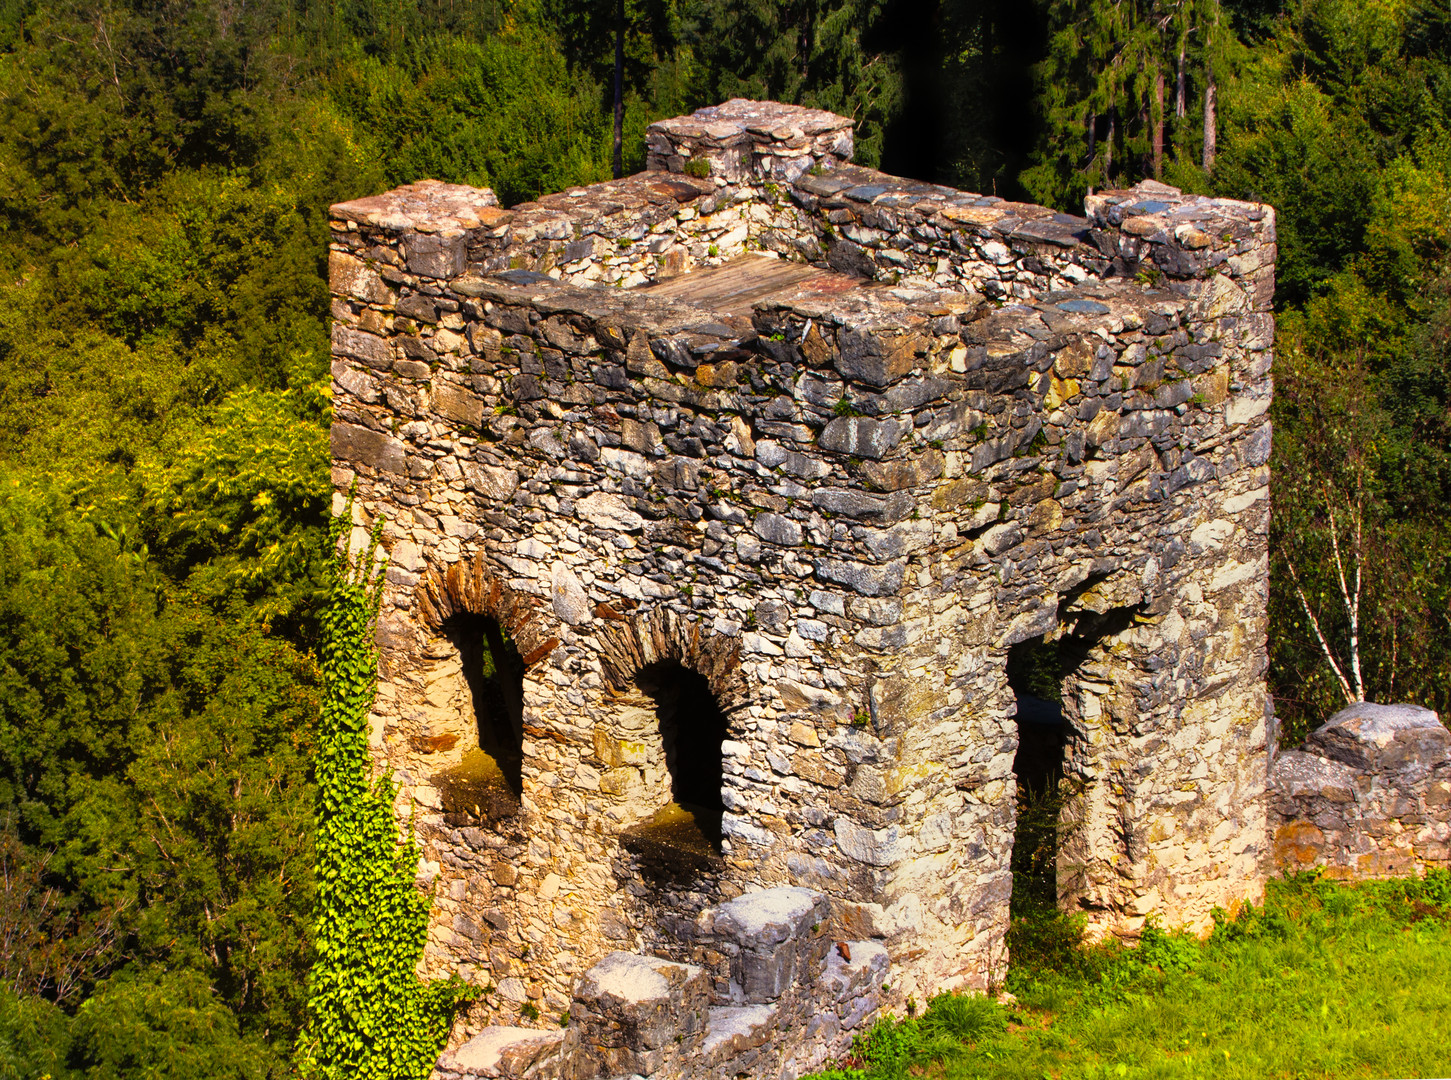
(506, 1053)
(1384, 737)
(1300, 775)
(772, 938)
(1364, 798)
(632, 1014)
(361, 345)
(609, 512)
(458, 404)
(364, 446)
(435, 256)
(874, 847)
(861, 436)
(867, 580)
(854, 969)
(767, 917)
(734, 1029)
(878, 360)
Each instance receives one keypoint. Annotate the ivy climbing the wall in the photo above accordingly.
(370, 1018)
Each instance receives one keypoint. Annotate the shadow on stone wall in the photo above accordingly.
(683, 837)
(494, 672)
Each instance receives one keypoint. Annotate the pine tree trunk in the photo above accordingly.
(1211, 130)
(619, 161)
(1180, 106)
(1158, 118)
(1146, 125)
(1108, 147)
(808, 16)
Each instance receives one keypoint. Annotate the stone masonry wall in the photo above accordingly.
(1369, 795)
(842, 512)
(790, 996)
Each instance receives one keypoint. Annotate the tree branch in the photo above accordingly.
(1315, 625)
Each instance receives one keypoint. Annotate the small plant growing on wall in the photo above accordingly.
(698, 168)
(369, 1017)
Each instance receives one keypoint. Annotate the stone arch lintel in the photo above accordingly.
(628, 647)
(470, 587)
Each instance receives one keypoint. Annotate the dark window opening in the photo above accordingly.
(1035, 673)
(488, 782)
(692, 728)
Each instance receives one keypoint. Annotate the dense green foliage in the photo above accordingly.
(165, 169)
(1341, 120)
(1127, 90)
(155, 763)
(1323, 980)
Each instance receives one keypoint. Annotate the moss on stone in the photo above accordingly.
(476, 787)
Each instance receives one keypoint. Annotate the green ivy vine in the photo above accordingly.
(370, 1018)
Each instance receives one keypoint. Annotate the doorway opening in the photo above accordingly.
(1036, 670)
(489, 781)
(686, 832)
(1058, 680)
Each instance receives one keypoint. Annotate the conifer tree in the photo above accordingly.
(1102, 92)
(808, 52)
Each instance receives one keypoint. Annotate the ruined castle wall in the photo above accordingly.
(1099, 477)
(882, 226)
(714, 188)
(786, 189)
(628, 232)
(842, 515)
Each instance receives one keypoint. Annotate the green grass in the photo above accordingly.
(1324, 980)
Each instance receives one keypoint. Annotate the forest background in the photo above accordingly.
(165, 169)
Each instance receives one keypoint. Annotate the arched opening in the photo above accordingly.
(1036, 669)
(488, 782)
(692, 726)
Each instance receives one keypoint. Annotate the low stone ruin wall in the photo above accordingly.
(628, 232)
(1368, 796)
(774, 993)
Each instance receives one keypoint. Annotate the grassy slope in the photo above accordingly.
(1323, 981)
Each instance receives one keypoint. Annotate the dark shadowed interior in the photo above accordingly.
(1035, 673)
(495, 675)
(692, 728)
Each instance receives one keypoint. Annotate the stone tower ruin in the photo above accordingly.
(717, 500)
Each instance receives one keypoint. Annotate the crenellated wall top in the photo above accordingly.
(759, 140)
